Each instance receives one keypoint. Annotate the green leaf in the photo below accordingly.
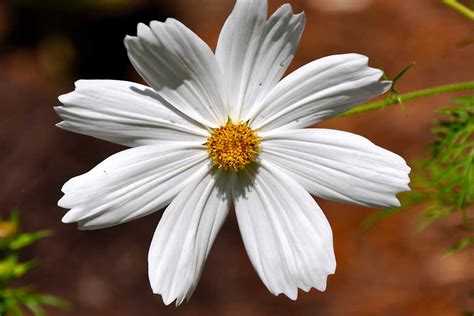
(27, 239)
(15, 217)
(397, 77)
(12, 300)
(393, 91)
(465, 100)
(35, 308)
(13, 307)
(21, 268)
(459, 246)
(7, 268)
(54, 301)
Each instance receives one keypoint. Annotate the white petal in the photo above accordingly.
(254, 53)
(338, 165)
(318, 90)
(126, 113)
(181, 67)
(185, 235)
(131, 184)
(286, 234)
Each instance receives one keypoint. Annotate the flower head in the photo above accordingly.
(214, 130)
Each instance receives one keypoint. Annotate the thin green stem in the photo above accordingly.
(410, 96)
(459, 7)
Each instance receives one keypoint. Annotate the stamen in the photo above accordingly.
(233, 146)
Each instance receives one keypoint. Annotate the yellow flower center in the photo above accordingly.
(233, 146)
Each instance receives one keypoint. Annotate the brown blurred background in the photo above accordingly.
(391, 270)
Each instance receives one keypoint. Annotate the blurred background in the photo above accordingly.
(392, 269)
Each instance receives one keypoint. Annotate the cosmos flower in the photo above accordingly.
(223, 129)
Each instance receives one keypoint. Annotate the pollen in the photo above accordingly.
(233, 146)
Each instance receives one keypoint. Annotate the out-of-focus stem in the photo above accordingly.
(410, 96)
(455, 5)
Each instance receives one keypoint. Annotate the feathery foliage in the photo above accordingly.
(14, 301)
(444, 184)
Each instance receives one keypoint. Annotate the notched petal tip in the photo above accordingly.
(301, 15)
(167, 299)
(292, 295)
(142, 27)
(397, 203)
(69, 217)
(83, 83)
(62, 202)
(403, 188)
(62, 125)
(87, 226)
(171, 21)
(353, 57)
(59, 110)
(286, 7)
(66, 126)
(332, 269)
(127, 39)
(323, 286)
(155, 23)
(66, 98)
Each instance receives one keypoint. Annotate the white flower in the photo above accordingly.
(216, 130)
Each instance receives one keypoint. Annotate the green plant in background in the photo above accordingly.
(444, 184)
(447, 180)
(14, 301)
(459, 7)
